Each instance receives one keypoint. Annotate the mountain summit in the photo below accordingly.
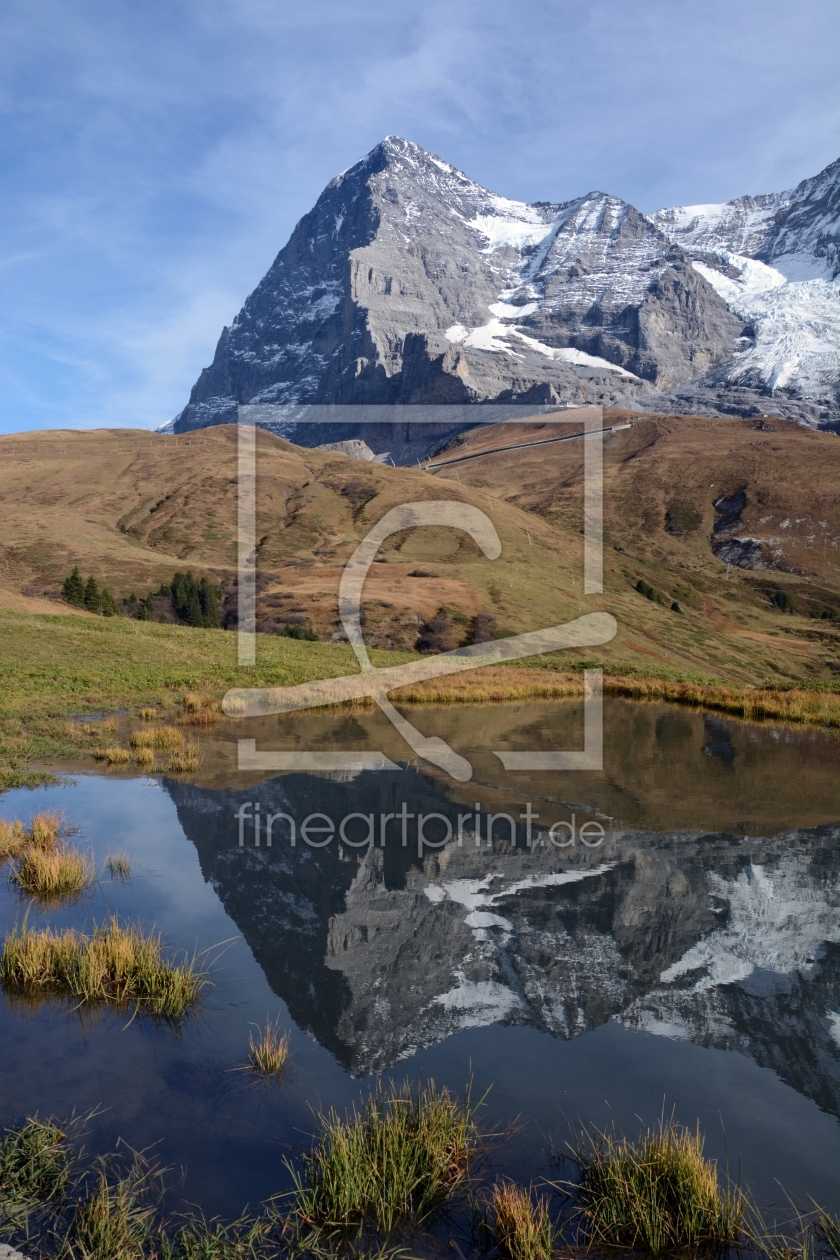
(409, 283)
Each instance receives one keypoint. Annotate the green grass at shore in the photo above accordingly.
(658, 1194)
(56, 669)
(397, 1161)
(653, 1197)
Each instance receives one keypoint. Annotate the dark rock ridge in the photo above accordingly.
(408, 283)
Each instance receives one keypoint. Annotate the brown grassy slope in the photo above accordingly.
(127, 504)
(670, 469)
(12, 601)
(134, 507)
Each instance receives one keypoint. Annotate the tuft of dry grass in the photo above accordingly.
(148, 715)
(44, 829)
(398, 1160)
(204, 717)
(50, 874)
(523, 1227)
(268, 1053)
(656, 1194)
(114, 756)
(12, 839)
(200, 710)
(117, 964)
(144, 756)
(184, 760)
(163, 737)
(118, 865)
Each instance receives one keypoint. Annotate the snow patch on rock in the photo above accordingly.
(778, 921)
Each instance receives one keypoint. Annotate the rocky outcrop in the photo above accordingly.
(407, 283)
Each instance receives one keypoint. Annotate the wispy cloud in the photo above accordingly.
(156, 156)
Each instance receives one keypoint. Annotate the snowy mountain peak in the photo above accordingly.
(775, 260)
(409, 282)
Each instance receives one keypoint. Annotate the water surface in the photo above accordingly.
(690, 961)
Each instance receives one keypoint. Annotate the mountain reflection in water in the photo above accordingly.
(708, 921)
(725, 940)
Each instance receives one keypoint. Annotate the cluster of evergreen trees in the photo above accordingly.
(195, 600)
(89, 594)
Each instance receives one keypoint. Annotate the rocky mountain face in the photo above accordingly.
(408, 283)
(724, 940)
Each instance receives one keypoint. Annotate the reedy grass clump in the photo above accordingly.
(120, 965)
(200, 710)
(12, 839)
(656, 1194)
(49, 874)
(184, 760)
(44, 829)
(198, 1239)
(34, 1168)
(523, 1227)
(54, 1203)
(115, 756)
(148, 715)
(118, 865)
(114, 1221)
(268, 1053)
(828, 1229)
(144, 756)
(395, 1162)
(162, 737)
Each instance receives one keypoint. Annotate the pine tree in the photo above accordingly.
(92, 598)
(193, 614)
(73, 588)
(211, 612)
(109, 604)
(146, 610)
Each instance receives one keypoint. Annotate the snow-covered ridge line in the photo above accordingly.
(408, 274)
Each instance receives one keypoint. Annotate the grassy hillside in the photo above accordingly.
(134, 508)
(57, 668)
(661, 479)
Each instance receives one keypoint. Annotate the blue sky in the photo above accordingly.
(156, 156)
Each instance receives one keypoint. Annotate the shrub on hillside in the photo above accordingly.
(682, 517)
(644, 588)
(482, 629)
(435, 635)
(300, 632)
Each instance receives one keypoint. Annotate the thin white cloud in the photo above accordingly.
(157, 156)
